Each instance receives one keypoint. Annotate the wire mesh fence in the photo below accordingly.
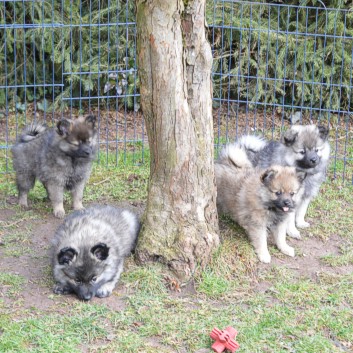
(71, 58)
(277, 64)
(274, 64)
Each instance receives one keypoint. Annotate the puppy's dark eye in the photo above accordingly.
(77, 281)
(316, 150)
(94, 279)
(302, 152)
(292, 193)
(278, 193)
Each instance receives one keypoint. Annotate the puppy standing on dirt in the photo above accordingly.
(304, 147)
(89, 250)
(61, 158)
(258, 200)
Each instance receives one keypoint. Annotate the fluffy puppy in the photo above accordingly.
(304, 147)
(89, 248)
(61, 158)
(258, 200)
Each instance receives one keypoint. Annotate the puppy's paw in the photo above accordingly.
(78, 207)
(22, 201)
(105, 290)
(294, 233)
(288, 250)
(59, 212)
(103, 294)
(61, 289)
(302, 224)
(264, 257)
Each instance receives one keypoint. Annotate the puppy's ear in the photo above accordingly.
(267, 176)
(301, 175)
(100, 251)
(64, 127)
(290, 137)
(66, 255)
(91, 121)
(323, 132)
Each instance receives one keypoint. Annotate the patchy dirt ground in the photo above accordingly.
(33, 260)
(116, 128)
(33, 263)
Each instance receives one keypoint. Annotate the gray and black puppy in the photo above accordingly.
(61, 158)
(259, 200)
(304, 147)
(89, 249)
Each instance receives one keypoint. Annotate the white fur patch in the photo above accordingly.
(251, 142)
(236, 154)
(131, 219)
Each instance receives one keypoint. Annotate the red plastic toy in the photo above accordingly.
(224, 339)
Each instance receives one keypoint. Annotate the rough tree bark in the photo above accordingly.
(180, 225)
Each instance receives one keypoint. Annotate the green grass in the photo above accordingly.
(54, 333)
(11, 282)
(343, 259)
(275, 308)
(331, 211)
(146, 280)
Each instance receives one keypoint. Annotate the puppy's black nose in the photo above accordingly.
(86, 297)
(313, 160)
(86, 150)
(287, 202)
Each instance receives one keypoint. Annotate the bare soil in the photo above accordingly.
(34, 264)
(123, 130)
(229, 121)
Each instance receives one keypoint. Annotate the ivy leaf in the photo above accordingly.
(108, 86)
(43, 105)
(119, 90)
(21, 107)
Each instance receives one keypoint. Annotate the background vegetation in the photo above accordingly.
(285, 56)
(67, 49)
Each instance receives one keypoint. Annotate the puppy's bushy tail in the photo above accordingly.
(32, 132)
(234, 155)
(251, 143)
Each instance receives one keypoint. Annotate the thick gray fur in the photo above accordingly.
(61, 158)
(259, 200)
(304, 147)
(78, 267)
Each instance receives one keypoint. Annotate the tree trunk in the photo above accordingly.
(180, 224)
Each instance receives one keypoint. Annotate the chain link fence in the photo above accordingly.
(274, 65)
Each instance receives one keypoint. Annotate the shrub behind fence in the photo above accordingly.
(273, 64)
